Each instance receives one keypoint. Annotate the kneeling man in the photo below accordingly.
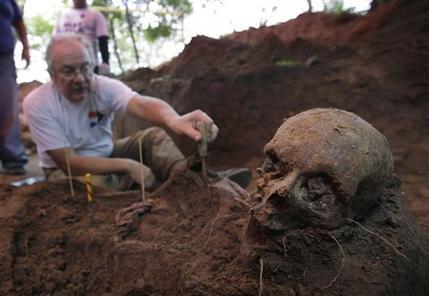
(70, 119)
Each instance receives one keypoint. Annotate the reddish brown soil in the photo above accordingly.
(187, 245)
(375, 66)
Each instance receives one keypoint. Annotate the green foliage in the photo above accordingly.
(182, 7)
(153, 33)
(138, 28)
(39, 26)
(100, 3)
(39, 31)
(166, 17)
(142, 26)
(287, 63)
(150, 19)
(336, 7)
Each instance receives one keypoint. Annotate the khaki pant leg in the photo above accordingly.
(159, 151)
(115, 182)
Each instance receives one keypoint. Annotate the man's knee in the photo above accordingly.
(154, 135)
(155, 132)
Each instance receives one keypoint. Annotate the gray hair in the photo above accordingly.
(63, 38)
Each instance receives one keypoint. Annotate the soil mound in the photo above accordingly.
(187, 244)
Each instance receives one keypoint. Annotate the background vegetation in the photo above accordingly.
(140, 30)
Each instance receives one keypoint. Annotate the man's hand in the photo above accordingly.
(159, 112)
(187, 125)
(104, 69)
(22, 33)
(26, 56)
(135, 170)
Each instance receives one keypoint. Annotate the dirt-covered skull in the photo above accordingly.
(323, 165)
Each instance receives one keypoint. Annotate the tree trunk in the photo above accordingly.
(115, 44)
(310, 6)
(377, 3)
(130, 31)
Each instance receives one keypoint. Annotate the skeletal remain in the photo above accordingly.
(325, 170)
(322, 166)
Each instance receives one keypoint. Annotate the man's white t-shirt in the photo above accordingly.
(86, 127)
(88, 22)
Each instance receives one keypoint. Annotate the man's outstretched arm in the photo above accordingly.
(159, 112)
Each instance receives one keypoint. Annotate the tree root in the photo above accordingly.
(381, 238)
(343, 256)
(212, 227)
(284, 245)
(261, 273)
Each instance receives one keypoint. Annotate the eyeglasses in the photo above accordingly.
(69, 73)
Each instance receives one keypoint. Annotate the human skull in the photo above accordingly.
(322, 166)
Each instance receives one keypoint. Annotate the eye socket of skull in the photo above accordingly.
(311, 198)
(316, 195)
(272, 164)
(317, 187)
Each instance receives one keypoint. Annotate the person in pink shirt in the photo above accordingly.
(89, 22)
